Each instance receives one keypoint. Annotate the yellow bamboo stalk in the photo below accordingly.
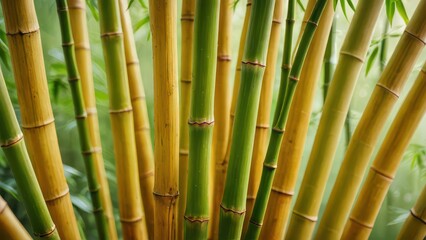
(222, 164)
(166, 103)
(77, 10)
(36, 112)
(10, 227)
(415, 225)
(140, 118)
(385, 165)
(362, 143)
(296, 130)
(187, 24)
(263, 115)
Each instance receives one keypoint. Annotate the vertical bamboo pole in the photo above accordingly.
(221, 165)
(253, 66)
(296, 130)
(361, 147)
(13, 144)
(263, 115)
(36, 112)
(77, 11)
(121, 115)
(140, 118)
(10, 227)
(163, 27)
(385, 165)
(415, 225)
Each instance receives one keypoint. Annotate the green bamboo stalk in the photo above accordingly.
(121, 115)
(415, 225)
(201, 118)
(253, 65)
(81, 117)
(291, 80)
(369, 127)
(13, 144)
(352, 54)
(10, 227)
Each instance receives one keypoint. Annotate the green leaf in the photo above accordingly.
(390, 10)
(82, 204)
(130, 4)
(343, 5)
(351, 5)
(141, 23)
(93, 9)
(401, 10)
(335, 4)
(371, 59)
(9, 189)
(299, 2)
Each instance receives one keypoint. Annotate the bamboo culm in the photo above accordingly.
(270, 163)
(415, 225)
(10, 227)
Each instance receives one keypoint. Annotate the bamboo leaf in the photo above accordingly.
(343, 6)
(335, 4)
(93, 7)
(9, 189)
(371, 59)
(299, 2)
(390, 10)
(351, 5)
(401, 10)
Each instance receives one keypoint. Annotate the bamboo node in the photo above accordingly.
(146, 174)
(248, 4)
(81, 46)
(131, 220)
(95, 189)
(183, 152)
(67, 44)
(61, 195)
(64, 9)
(76, 6)
(255, 63)
(73, 79)
(111, 34)
(97, 210)
(196, 219)
(185, 80)
(286, 66)
(134, 62)
(292, 20)
(304, 216)
(81, 116)
(91, 111)
(134, 99)
(225, 58)
(379, 172)
(388, 90)
(270, 166)
(21, 33)
(282, 192)
(46, 234)
(13, 141)
(415, 36)
(296, 79)
(263, 126)
(242, 212)
(417, 216)
(276, 21)
(251, 197)
(369, 226)
(278, 130)
(92, 151)
(39, 125)
(256, 224)
(312, 22)
(187, 17)
(166, 195)
(349, 54)
(201, 124)
(123, 110)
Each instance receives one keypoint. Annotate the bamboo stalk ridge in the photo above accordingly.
(13, 144)
(201, 118)
(263, 115)
(352, 55)
(291, 81)
(36, 113)
(297, 126)
(187, 26)
(81, 117)
(362, 143)
(77, 12)
(253, 66)
(415, 225)
(10, 227)
(221, 165)
(166, 114)
(140, 118)
(121, 115)
(385, 165)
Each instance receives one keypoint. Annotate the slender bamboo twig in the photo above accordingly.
(297, 127)
(140, 118)
(253, 66)
(415, 225)
(81, 117)
(385, 165)
(166, 115)
(361, 147)
(13, 144)
(10, 227)
(263, 115)
(187, 24)
(77, 11)
(121, 115)
(36, 112)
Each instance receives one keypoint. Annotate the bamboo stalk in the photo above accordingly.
(36, 112)
(10, 227)
(291, 81)
(362, 143)
(140, 118)
(221, 165)
(77, 11)
(187, 25)
(253, 66)
(81, 117)
(351, 58)
(415, 225)
(201, 118)
(13, 144)
(385, 165)
(166, 115)
(297, 127)
(330, 59)
(121, 115)
(263, 115)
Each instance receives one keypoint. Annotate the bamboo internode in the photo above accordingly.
(10, 227)
(415, 225)
(36, 113)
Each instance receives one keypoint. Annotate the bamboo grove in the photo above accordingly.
(234, 151)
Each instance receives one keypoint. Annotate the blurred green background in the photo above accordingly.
(402, 195)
